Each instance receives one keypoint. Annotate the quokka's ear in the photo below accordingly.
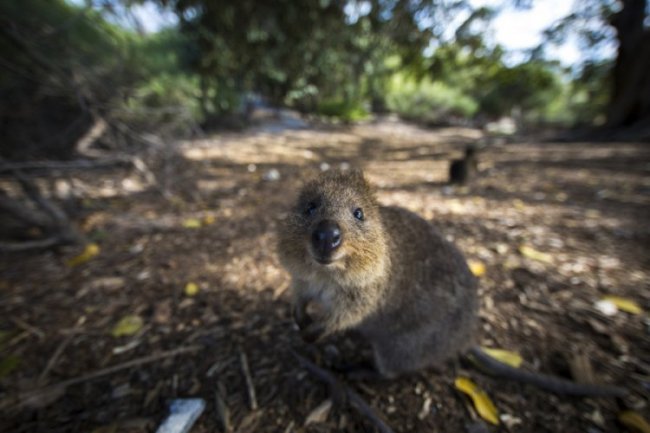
(359, 179)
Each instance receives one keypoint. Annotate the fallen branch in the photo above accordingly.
(47, 216)
(64, 165)
(54, 359)
(24, 398)
(22, 213)
(355, 400)
(59, 218)
(41, 244)
(250, 387)
(87, 140)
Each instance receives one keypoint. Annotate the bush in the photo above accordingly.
(427, 101)
(167, 101)
(348, 111)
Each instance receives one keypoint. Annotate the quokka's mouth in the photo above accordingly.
(324, 260)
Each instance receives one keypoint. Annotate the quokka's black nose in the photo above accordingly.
(326, 237)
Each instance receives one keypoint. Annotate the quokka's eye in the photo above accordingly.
(311, 208)
(358, 214)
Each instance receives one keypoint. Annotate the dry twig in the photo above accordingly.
(250, 386)
(53, 360)
(79, 164)
(222, 408)
(23, 398)
(355, 400)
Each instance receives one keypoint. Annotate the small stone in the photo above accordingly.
(272, 175)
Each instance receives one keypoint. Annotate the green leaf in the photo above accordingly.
(127, 326)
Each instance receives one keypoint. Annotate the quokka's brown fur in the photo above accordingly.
(391, 276)
(394, 278)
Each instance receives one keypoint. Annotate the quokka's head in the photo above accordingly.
(334, 229)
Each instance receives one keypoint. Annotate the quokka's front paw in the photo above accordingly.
(301, 318)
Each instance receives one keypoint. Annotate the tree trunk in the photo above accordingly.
(630, 102)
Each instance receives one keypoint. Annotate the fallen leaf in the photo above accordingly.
(128, 325)
(513, 359)
(319, 413)
(8, 364)
(625, 304)
(634, 421)
(208, 220)
(532, 253)
(191, 289)
(518, 204)
(192, 223)
(482, 402)
(88, 253)
(477, 268)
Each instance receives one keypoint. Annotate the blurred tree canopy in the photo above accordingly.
(66, 64)
(626, 24)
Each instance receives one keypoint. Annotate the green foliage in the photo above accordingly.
(529, 86)
(590, 93)
(166, 100)
(71, 62)
(427, 101)
(65, 62)
(347, 111)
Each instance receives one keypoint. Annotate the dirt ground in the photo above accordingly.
(582, 208)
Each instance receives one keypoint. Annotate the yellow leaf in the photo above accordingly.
(513, 359)
(518, 204)
(208, 220)
(88, 253)
(192, 223)
(624, 304)
(634, 421)
(191, 289)
(482, 402)
(128, 325)
(477, 268)
(532, 253)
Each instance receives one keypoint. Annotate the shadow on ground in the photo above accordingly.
(585, 205)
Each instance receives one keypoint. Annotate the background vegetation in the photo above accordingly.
(66, 64)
